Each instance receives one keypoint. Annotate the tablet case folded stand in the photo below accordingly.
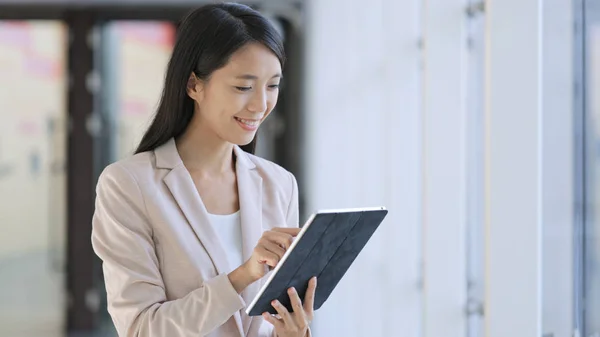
(343, 237)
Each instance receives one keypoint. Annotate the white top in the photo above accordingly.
(229, 230)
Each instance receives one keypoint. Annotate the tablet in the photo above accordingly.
(325, 247)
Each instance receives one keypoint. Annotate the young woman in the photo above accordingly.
(188, 227)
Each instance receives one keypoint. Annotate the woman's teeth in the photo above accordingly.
(248, 121)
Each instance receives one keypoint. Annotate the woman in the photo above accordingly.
(188, 227)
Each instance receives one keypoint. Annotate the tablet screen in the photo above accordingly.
(326, 247)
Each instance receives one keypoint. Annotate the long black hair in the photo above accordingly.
(206, 39)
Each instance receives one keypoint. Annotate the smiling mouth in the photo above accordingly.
(248, 122)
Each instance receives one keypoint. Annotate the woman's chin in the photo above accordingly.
(243, 140)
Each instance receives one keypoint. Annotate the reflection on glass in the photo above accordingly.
(134, 58)
(32, 178)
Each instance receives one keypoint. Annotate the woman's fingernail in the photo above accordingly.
(275, 302)
(292, 290)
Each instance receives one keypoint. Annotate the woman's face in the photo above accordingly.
(238, 97)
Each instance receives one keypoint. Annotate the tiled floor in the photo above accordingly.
(105, 330)
(32, 299)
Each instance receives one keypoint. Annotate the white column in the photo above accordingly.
(362, 147)
(444, 167)
(557, 166)
(513, 168)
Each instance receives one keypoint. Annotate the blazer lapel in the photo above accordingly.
(250, 197)
(184, 191)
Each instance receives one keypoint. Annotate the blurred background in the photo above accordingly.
(475, 122)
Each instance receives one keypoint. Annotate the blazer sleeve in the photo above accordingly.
(123, 239)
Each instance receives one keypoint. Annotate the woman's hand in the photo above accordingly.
(294, 324)
(268, 252)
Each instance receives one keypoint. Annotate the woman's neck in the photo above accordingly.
(203, 152)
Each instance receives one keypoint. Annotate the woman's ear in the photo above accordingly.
(195, 87)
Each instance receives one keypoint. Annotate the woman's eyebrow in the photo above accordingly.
(254, 77)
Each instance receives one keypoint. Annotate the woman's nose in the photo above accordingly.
(258, 103)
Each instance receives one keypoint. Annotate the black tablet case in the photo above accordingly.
(326, 250)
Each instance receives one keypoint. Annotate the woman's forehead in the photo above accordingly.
(253, 61)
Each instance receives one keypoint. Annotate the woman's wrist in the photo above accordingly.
(240, 279)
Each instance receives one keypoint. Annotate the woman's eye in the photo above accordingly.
(244, 89)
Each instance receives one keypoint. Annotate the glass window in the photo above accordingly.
(132, 59)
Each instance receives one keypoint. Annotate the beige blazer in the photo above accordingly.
(164, 268)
